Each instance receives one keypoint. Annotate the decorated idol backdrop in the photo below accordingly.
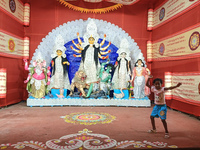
(109, 34)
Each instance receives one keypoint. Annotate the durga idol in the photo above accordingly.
(90, 52)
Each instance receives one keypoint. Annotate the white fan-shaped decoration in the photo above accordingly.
(59, 45)
(39, 56)
(69, 30)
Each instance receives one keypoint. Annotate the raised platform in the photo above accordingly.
(69, 101)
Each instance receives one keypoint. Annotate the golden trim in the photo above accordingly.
(85, 10)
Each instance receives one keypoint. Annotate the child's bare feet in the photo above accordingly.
(167, 135)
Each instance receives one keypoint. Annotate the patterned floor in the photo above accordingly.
(81, 128)
(88, 118)
(86, 139)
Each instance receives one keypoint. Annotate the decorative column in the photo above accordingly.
(149, 51)
(168, 83)
(150, 19)
(2, 83)
(26, 48)
(26, 14)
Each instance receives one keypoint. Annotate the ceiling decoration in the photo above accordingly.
(118, 4)
(124, 2)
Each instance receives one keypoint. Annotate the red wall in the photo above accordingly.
(180, 23)
(15, 77)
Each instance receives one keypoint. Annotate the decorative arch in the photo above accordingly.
(69, 30)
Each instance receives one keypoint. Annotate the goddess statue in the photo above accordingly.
(139, 77)
(122, 72)
(38, 78)
(59, 63)
(90, 51)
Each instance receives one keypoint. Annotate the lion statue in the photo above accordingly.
(79, 83)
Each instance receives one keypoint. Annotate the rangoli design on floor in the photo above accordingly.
(88, 118)
(85, 139)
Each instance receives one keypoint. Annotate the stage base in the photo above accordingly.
(69, 101)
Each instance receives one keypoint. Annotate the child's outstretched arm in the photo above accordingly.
(147, 84)
(173, 87)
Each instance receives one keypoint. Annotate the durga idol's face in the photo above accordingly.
(91, 40)
(59, 52)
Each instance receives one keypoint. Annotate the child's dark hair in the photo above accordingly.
(157, 79)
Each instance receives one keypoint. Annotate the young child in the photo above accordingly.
(160, 108)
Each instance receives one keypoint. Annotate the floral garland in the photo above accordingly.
(85, 10)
